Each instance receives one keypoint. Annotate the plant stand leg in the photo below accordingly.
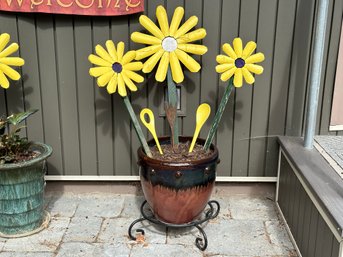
(201, 242)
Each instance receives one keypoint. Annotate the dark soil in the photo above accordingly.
(180, 154)
(22, 157)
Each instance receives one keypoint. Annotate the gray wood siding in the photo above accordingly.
(90, 131)
(312, 235)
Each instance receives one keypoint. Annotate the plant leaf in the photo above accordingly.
(15, 119)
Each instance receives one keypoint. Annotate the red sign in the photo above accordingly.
(79, 7)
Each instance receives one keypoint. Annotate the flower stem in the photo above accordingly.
(172, 100)
(137, 126)
(218, 115)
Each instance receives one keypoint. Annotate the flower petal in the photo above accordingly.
(129, 82)
(14, 61)
(248, 49)
(238, 79)
(98, 61)
(229, 51)
(188, 61)
(257, 69)
(175, 23)
(249, 78)
(224, 67)
(9, 50)
(150, 26)
(98, 71)
(112, 85)
(9, 72)
(259, 57)
(238, 46)
(120, 51)
(193, 48)
(112, 50)
(142, 38)
(149, 65)
(133, 76)
(162, 69)
(4, 39)
(128, 57)
(133, 66)
(192, 36)
(103, 54)
(176, 69)
(147, 51)
(105, 78)
(162, 18)
(121, 86)
(228, 74)
(187, 26)
(224, 59)
(4, 83)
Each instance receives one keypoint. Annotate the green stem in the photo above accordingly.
(172, 100)
(219, 114)
(137, 126)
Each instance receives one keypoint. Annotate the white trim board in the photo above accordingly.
(136, 178)
(336, 127)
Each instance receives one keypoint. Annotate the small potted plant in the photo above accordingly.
(177, 172)
(22, 163)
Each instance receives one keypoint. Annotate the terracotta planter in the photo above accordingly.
(177, 192)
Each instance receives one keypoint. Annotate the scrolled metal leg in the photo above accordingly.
(201, 243)
(137, 230)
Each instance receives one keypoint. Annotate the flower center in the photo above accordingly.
(117, 67)
(169, 44)
(239, 63)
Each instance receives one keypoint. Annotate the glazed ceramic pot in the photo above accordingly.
(177, 192)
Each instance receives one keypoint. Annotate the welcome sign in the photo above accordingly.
(78, 7)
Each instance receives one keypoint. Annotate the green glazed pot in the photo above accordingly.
(22, 194)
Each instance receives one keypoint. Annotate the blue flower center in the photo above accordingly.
(239, 63)
(117, 67)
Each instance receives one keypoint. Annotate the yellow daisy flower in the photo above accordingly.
(239, 62)
(115, 69)
(169, 44)
(6, 62)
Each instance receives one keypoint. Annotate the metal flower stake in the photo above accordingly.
(170, 45)
(117, 71)
(238, 63)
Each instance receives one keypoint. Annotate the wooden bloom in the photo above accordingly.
(6, 61)
(115, 69)
(239, 62)
(169, 44)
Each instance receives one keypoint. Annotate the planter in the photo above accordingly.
(22, 194)
(177, 192)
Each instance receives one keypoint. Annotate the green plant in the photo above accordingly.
(13, 147)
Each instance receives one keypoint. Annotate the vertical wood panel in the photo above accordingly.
(31, 81)
(85, 97)
(66, 78)
(208, 93)
(261, 88)
(323, 240)
(299, 67)
(243, 96)
(335, 248)
(50, 95)
(192, 82)
(103, 107)
(280, 81)
(229, 30)
(313, 232)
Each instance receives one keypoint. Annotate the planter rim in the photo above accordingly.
(153, 161)
(46, 151)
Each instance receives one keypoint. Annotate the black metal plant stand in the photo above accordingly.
(201, 243)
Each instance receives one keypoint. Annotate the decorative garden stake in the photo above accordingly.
(150, 125)
(117, 71)
(6, 61)
(169, 45)
(239, 63)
